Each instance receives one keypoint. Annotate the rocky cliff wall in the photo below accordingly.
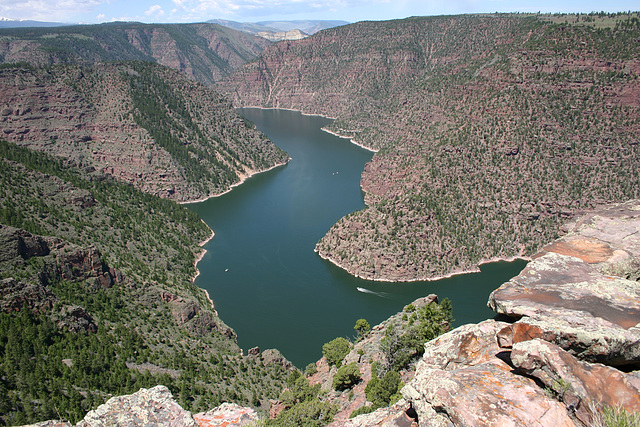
(565, 349)
(142, 124)
(491, 130)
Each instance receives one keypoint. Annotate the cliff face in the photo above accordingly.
(568, 320)
(282, 35)
(97, 299)
(203, 52)
(492, 131)
(140, 123)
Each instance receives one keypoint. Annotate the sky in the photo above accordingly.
(182, 11)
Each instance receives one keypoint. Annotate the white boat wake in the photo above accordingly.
(369, 291)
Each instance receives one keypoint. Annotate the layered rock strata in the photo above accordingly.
(564, 313)
(142, 124)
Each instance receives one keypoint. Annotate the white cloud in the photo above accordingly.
(155, 10)
(47, 10)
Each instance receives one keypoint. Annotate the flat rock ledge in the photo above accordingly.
(563, 349)
(570, 295)
(156, 407)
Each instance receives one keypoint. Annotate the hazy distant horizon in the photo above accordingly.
(183, 11)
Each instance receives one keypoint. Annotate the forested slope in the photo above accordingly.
(491, 130)
(96, 299)
(203, 52)
(139, 122)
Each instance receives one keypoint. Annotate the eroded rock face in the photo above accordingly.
(154, 406)
(585, 388)
(14, 295)
(227, 415)
(567, 295)
(567, 311)
(465, 378)
(74, 114)
(395, 415)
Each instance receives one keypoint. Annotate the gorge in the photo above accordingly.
(262, 273)
(497, 135)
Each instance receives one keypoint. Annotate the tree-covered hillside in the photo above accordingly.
(139, 122)
(204, 52)
(96, 298)
(491, 130)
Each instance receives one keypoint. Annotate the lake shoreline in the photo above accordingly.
(353, 141)
(243, 178)
(427, 279)
(261, 272)
(199, 258)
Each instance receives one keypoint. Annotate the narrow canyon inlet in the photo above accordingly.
(260, 269)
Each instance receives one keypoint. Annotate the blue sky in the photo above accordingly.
(96, 11)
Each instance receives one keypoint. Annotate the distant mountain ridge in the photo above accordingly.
(20, 23)
(306, 26)
(204, 52)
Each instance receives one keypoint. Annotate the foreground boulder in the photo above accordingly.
(465, 378)
(585, 388)
(569, 292)
(154, 406)
(576, 303)
(227, 415)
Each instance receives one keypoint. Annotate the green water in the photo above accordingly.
(260, 269)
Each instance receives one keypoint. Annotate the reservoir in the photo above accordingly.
(260, 269)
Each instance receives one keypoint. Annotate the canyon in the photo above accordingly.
(490, 131)
(494, 136)
(543, 361)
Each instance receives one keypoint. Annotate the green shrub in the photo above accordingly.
(618, 417)
(310, 413)
(346, 377)
(310, 369)
(362, 326)
(361, 410)
(293, 377)
(401, 346)
(304, 407)
(335, 350)
(382, 392)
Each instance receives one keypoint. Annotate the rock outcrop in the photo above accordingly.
(567, 294)
(154, 406)
(226, 415)
(583, 387)
(282, 35)
(145, 127)
(562, 314)
(157, 407)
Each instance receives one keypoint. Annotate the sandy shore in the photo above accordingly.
(287, 109)
(243, 178)
(202, 252)
(353, 141)
(198, 259)
(426, 279)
